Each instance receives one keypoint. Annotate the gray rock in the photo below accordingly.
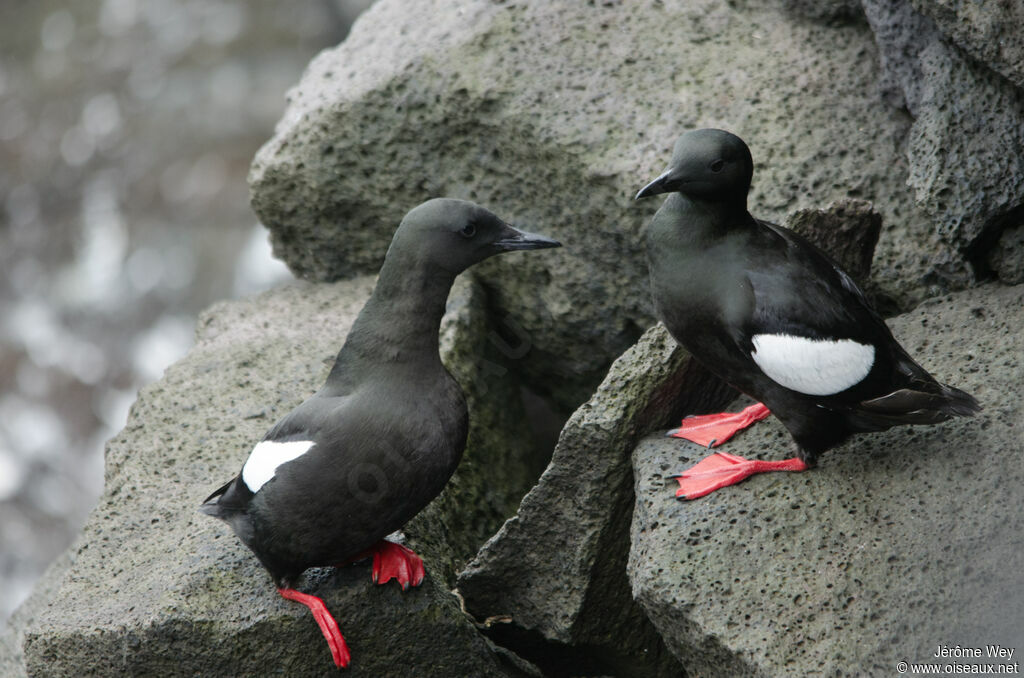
(965, 166)
(901, 33)
(827, 11)
(1007, 257)
(12, 632)
(553, 115)
(155, 588)
(964, 148)
(988, 31)
(555, 571)
(898, 542)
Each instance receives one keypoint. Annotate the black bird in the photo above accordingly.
(372, 447)
(775, 317)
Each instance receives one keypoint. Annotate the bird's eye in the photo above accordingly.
(468, 231)
(717, 166)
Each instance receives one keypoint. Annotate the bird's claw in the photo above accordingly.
(394, 561)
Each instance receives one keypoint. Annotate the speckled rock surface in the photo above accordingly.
(826, 11)
(553, 115)
(1007, 259)
(989, 31)
(965, 149)
(155, 588)
(966, 166)
(557, 569)
(12, 633)
(899, 542)
(901, 32)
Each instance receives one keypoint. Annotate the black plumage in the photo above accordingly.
(771, 314)
(382, 437)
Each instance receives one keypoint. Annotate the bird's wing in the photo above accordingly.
(290, 438)
(317, 421)
(802, 291)
(811, 329)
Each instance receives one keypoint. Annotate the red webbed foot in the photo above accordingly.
(394, 561)
(721, 470)
(711, 430)
(329, 627)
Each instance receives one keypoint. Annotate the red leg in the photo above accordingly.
(721, 470)
(711, 430)
(394, 561)
(329, 627)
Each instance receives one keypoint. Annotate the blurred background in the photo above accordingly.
(126, 132)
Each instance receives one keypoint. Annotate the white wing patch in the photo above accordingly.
(812, 366)
(266, 457)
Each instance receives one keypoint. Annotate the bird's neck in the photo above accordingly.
(686, 223)
(398, 326)
(691, 248)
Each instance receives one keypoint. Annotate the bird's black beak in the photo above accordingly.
(663, 184)
(514, 239)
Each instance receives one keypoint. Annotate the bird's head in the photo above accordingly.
(707, 164)
(455, 234)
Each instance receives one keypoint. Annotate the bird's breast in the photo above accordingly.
(697, 294)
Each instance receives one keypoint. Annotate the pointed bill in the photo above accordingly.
(656, 187)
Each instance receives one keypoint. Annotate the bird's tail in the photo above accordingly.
(931, 404)
(228, 504)
(212, 506)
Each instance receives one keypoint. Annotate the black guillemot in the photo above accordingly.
(371, 448)
(774, 317)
